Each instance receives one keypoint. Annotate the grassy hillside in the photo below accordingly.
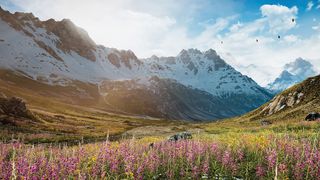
(292, 104)
(286, 111)
(63, 116)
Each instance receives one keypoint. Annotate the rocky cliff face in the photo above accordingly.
(72, 38)
(280, 102)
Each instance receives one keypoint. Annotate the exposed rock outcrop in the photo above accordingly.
(282, 101)
(71, 37)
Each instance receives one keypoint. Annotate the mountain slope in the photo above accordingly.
(166, 98)
(293, 73)
(58, 50)
(292, 104)
(58, 53)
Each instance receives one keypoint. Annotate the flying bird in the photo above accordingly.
(278, 36)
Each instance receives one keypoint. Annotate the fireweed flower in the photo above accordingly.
(295, 158)
(205, 166)
(260, 171)
(282, 168)
(272, 158)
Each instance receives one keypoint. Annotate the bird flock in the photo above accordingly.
(279, 37)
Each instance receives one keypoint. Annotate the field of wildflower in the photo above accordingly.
(234, 156)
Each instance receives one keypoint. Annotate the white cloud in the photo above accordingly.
(290, 38)
(316, 28)
(236, 27)
(279, 17)
(318, 6)
(270, 53)
(145, 27)
(309, 5)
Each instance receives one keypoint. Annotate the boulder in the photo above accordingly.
(313, 116)
(180, 136)
(265, 122)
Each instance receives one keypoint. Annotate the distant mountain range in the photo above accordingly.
(292, 74)
(193, 85)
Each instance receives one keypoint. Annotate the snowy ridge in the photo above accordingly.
(203, 70)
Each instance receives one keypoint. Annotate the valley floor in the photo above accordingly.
(60, 145)
(66, 140)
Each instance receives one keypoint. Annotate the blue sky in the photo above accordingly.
(202, 11)
(165, 27)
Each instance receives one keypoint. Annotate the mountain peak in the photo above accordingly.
(182, 52)
(66, 28)
(285, 75)
(154, 57)
(293, 72)
(211, 52)
(26, 16)
(72, 37)
(300, 67)
(299, 62)
(194, 51)
(66, 20)
(189, 51)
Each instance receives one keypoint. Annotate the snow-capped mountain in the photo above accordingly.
(202, 70)
(193, 85)
(292, 73)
